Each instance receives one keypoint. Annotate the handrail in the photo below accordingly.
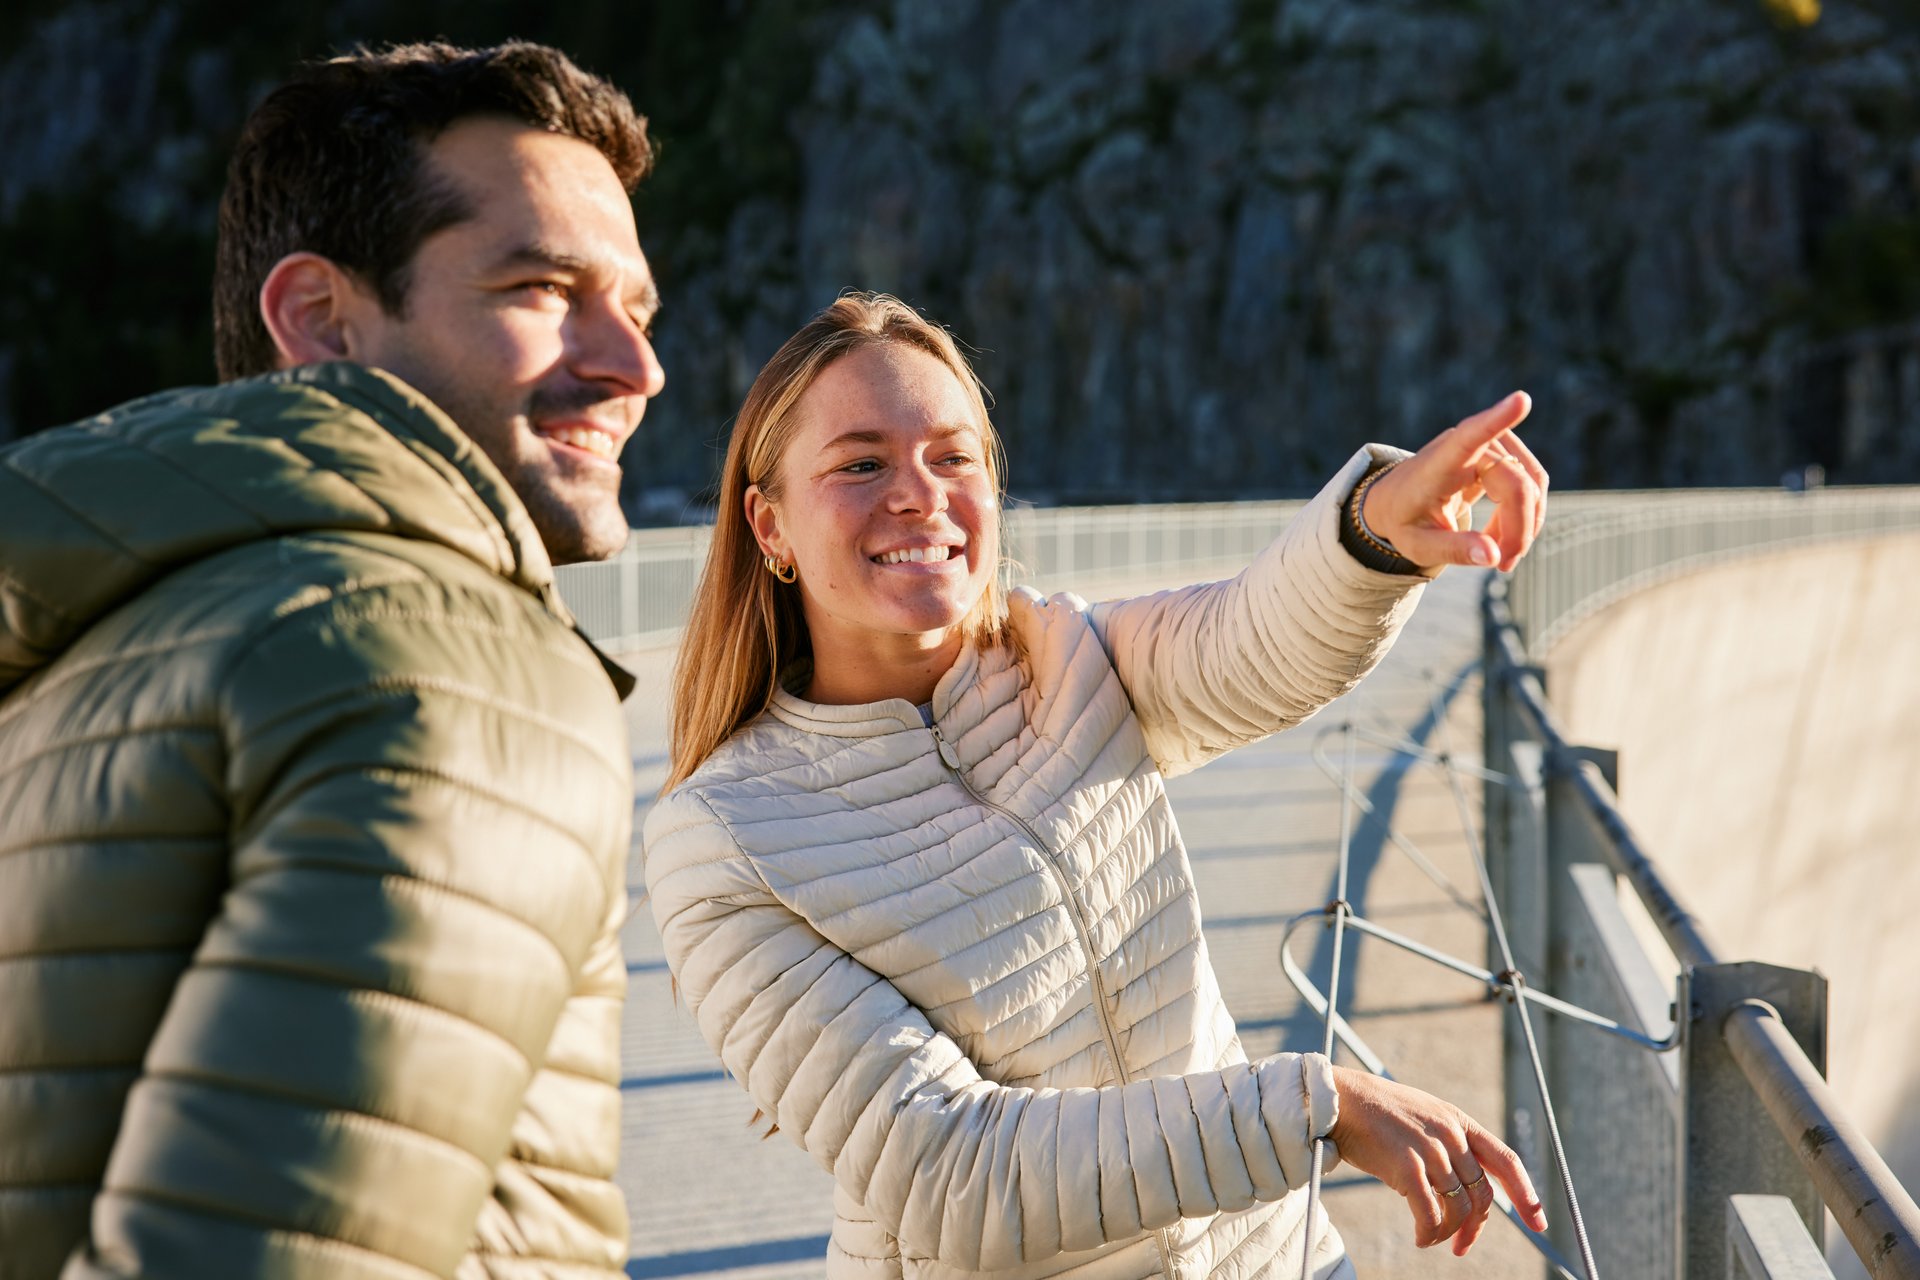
(1878, 1218)
(1656, 541)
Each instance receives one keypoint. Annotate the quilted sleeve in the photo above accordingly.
(401, 1014)
(977, 1175)
(1221, 664)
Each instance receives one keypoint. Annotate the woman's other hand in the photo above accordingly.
(1424, 505)
(1423, 1148)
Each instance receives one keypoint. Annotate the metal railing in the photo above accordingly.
(1598, 548)
(1687, 1147)
(1080, 548)
(1709, 1154)
(640, 598)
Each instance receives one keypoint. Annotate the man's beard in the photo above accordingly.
(572, 529)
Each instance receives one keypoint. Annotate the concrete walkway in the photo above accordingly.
(710, 1198)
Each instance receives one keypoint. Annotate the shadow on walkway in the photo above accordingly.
(1304, 1028)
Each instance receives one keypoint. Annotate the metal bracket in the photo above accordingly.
(1569, 758)
(1513, 673)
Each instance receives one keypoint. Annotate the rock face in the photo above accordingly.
(1206, 247)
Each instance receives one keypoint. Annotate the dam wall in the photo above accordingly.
(1767, 716)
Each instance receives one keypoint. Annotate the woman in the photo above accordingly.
(915, 869)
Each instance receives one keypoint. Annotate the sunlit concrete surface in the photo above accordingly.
(1767, 715)
(712, 1198)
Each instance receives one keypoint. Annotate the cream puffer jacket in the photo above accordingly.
(962, 965)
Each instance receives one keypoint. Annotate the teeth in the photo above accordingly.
(916, 555)
(598, 443)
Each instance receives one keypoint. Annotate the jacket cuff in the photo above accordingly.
(1356, 539)
(1322, 1102)
(1326, 512)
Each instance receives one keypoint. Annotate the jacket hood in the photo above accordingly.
(92, 513)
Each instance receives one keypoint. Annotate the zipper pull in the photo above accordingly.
(948, 756)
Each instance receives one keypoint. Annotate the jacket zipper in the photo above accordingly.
(951, 759)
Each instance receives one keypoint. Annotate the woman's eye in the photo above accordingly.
(957, 460)
(862, 467)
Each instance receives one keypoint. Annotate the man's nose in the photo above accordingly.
(611, 346)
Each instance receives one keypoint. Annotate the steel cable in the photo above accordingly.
(1517, 987)
(1562, 1268)
(1339, 913)
(1337, 909)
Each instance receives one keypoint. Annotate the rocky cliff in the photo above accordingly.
(1204, 247)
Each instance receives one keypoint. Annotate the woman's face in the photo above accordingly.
(886, 506)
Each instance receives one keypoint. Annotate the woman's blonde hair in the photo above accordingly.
(746, 626)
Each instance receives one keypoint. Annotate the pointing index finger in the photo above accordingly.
(1474, 434)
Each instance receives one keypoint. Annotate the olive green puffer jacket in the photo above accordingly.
(314, 813)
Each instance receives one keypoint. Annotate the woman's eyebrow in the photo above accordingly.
(867, 435)
(857, 436)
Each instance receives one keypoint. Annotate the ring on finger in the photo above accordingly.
(1456, 1191)
(1476, 1182)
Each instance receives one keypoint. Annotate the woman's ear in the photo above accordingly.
(764, 519)
(308, 303)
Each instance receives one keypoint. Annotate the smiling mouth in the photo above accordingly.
(598, 443)
(916, 555)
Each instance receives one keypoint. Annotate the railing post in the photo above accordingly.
(1524, 896)
(1496, 738)
(1729, 1145)
(1618, 1103)
(1516, 845)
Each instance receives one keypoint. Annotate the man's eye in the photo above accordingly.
(548, 288)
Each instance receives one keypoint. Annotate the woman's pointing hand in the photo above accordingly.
(1424, 505)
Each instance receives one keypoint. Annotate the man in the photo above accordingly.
(316, 804)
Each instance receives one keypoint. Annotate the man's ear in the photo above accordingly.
(310, 305)
(764, 520)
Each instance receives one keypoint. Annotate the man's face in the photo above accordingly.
(527, 323)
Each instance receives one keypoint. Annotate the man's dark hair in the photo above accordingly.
(334, 162)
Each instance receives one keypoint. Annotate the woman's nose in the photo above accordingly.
(917, 488)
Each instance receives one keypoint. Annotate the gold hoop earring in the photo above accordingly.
(784, 572)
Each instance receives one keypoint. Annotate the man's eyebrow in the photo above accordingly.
(644, 297)
(540, 255)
